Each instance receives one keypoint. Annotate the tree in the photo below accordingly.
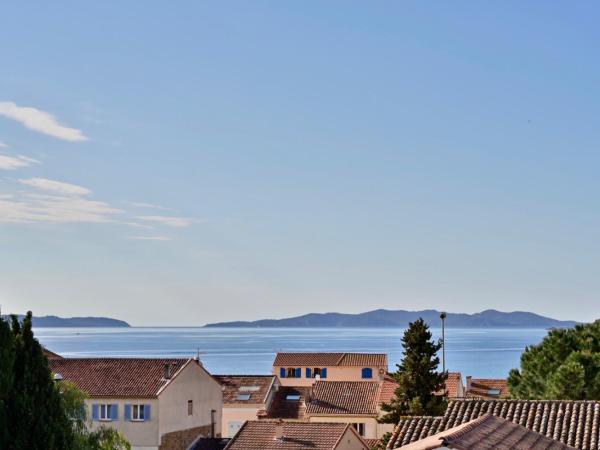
(35, 411)
(564, 366)
(417, 376)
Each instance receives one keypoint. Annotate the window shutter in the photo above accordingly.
(282, 372)
(114, 412)
(147, 413)
(308, 373)
(127, 412)
(367, 372)
(298, 372)
(324, 372)
(95, 412)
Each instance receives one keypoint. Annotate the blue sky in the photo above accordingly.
(193, 162)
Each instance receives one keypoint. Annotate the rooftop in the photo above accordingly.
(488, 389)
(117, 377)
(245, 389)
(453, 384)
(344, 398)
(574, 423)
(260, 435)
(330, 359)
(289, 402)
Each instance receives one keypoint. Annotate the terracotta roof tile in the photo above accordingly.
(330, 359)
(116, 377)
(574, 423)
(453, 384)
(344, 398)
(260, 435)
(388, 389)
(256, 387)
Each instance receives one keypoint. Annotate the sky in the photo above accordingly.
(191, 162)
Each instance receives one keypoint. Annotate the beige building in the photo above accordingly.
(303, 369)
(270, 435)
(245, 397)
(158, 404)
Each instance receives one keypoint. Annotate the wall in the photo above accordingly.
(191, 383)
(235, 413)
(141, 435)
(335, 373)
(350, 441)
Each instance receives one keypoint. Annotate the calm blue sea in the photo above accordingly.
(477, 352)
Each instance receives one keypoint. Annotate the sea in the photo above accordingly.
(482, 353)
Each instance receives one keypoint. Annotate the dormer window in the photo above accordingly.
(243, 397)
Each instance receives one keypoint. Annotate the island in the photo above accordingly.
(76, 322)
(400, 318)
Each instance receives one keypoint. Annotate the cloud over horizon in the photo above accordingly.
(16, 162)
(40, 121)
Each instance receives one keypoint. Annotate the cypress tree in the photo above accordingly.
(418, 378)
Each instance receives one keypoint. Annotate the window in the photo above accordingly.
(293, 397)
(367, 372)
(243, 397)
(293, 372)
(493, 392)
(190, 407)
(360, 427)
(106, 412)
(137, 412)
(316, 371)
(249, 388)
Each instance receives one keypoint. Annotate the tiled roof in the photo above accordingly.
(282, 408)
(388, 389)
(453, 383)
(260, 435)
(574, 423)
(491, 432)
(49, 354)
(116, 377)
(257, 387)
(330, 359)
(486, 388)
(372, 442)
(344, 398)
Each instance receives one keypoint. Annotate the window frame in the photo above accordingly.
(141, 412)
(190, 407)
(107, 408)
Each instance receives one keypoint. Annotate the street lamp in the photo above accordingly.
(443, 317)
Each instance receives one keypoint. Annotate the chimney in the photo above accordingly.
(167, 371)
(279, 431)
(468, 383)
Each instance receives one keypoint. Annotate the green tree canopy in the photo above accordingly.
(564, 366)
(417, 376)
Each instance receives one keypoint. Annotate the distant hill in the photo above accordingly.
(76, 322)
(386, 318)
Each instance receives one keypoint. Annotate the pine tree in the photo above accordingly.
(418, 377)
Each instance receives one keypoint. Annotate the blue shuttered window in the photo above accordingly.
(147, 413)
(308, 373)
(298, 372)
(324, 372)
(95, 412)
(127, 412)
(282, 372)
(367, 372)
(114, 412)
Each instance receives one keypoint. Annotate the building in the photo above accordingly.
(573, 423)
(454, 385)
(487, 388)
(488, 432)
(303, 369)
(245, 397)
(156, 403)
(275, 435)
(289, 404)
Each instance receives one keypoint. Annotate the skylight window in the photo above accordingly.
(243, 397)
(493, 392)
(249, 388)
(293, 397)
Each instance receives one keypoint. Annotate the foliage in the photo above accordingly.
(564, 366)
(35, 411)
(417, 376)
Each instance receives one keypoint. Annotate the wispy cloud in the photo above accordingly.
(3, 145)
(171, 221)
(55, 186)
(16, 162)
(150, 238)
(41, 121)
(145, 205)
(42, 208)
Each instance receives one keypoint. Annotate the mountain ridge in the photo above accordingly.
(75, 322)
(385, 318)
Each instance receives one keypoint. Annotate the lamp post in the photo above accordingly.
(443, 317)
